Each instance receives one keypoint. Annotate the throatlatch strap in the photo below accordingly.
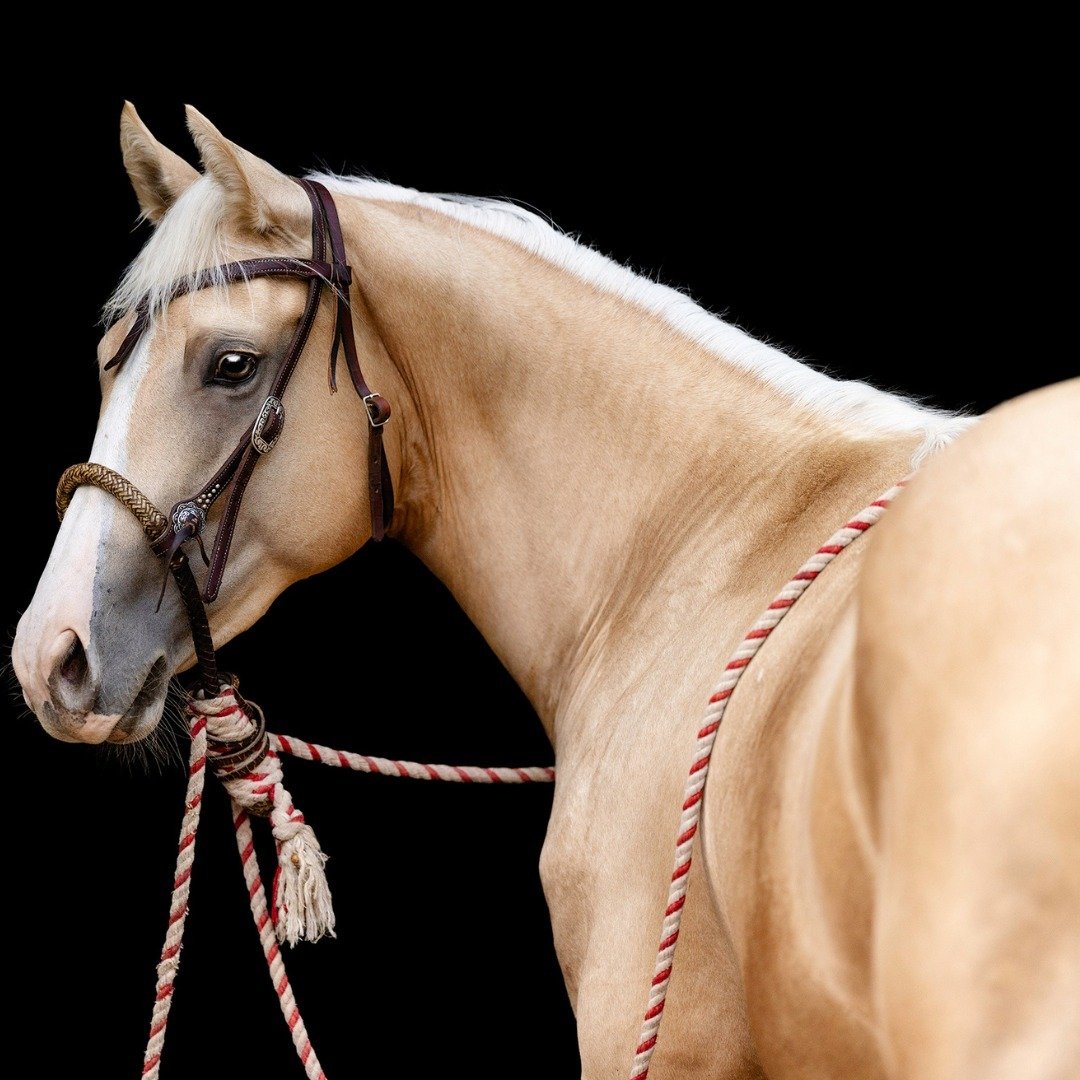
(380, 489)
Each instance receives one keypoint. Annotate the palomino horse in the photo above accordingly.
(613, 483)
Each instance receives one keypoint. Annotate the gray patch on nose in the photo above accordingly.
(130, 642)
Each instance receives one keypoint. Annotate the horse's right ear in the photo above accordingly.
(157, 174)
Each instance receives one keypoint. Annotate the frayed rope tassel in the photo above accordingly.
(240, 755)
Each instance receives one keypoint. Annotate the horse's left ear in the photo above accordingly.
(263, 199)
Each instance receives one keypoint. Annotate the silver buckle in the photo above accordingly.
(373, 410)
(271, 407)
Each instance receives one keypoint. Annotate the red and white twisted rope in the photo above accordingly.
(253, 779)
(694, 791)
(169, 963)
(301, 899)
(275, 962)
(414, 770)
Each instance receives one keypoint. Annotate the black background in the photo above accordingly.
(907, 241)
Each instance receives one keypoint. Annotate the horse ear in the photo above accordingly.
(264, 200)
(157, 174)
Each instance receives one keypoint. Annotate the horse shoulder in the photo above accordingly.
(784, 841)
(968, 692)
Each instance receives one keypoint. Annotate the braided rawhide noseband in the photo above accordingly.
(156, 525)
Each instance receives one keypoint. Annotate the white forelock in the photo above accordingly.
(189, 238)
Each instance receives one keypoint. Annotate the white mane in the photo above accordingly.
(855, 403)
(189, 239)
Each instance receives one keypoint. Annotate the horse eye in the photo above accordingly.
(234, 367)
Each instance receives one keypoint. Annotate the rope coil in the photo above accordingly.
(242, 759)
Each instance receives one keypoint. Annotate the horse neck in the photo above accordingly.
(569, 463)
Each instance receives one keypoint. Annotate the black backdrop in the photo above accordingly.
(889, 240)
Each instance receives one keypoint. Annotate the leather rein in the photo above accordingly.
(168, 533)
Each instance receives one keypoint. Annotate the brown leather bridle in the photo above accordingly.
(187, 519)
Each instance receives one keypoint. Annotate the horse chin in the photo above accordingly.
(134, 727)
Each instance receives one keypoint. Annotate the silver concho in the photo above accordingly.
(188, 516)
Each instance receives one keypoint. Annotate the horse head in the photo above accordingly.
(94, 652)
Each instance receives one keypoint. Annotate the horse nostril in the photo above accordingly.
(74, 667)
(65, 668)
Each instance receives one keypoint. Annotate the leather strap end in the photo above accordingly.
(213, 587)
(380, 490)
(335, 345)
(131, 338)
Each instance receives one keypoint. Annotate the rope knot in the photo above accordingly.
(289, 829)
(240, 756)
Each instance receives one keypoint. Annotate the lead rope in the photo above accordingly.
(169, 964)
(228, 734)
(694, 791)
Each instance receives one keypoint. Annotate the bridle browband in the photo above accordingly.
(328, 266)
